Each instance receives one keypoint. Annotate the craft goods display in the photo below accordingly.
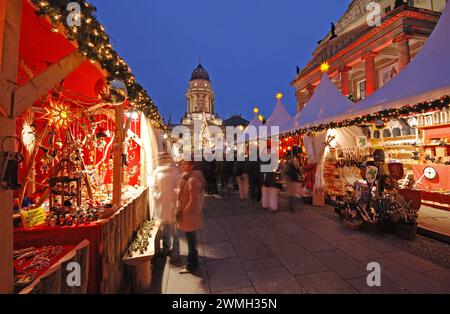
(376, 202)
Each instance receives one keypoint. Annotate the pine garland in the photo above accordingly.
(387, 114)
(94, 43)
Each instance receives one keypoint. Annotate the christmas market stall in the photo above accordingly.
(405, 140)
(78, 136)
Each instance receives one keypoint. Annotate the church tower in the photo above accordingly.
(200, 98)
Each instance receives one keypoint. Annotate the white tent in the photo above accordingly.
(426, 78)
(279, 118)
(326, 103)
(249, 133)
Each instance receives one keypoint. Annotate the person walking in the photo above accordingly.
(164, 184)
(240, 171)
(270, 191)
(290, 177)
(190, 207)
(255, 180)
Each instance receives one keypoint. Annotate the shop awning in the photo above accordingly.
(425, 78)
(326, 103)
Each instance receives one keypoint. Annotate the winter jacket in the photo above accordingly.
(191, 200)
(165, 182)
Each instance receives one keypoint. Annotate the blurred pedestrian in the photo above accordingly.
(165, 182)
(190, 210)
(290, 177)
(240, 171)
(270, 191)
(255, 180)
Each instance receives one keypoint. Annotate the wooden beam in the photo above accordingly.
(118, 151)
(10, 23)
(39, 85)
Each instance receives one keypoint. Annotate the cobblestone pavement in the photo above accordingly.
(246, 249)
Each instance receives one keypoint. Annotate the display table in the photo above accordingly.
(108, 238)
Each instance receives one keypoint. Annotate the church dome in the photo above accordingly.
(200, 73)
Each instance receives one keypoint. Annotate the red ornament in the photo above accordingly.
(101, 89)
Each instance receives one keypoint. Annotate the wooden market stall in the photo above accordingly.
(74, 164)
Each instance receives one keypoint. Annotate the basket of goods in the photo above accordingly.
(406, 228)
(371, 217)
(350, 216)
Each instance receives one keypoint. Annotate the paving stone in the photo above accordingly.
(271, 234)
(387, 286)
(273, 218)
(275, 281)
(356, 250)
(325, 282)
(187, 283)
(252, 249)
(291, 229)
(313, 243)
(261, 263)
(213, 234)
(218, 250)
(226, 274)
(245, 290)
(409, 279)
(441, 276)
(373, 243)
(342, 264)
(254, 221)
(412, 261)
(296, 259)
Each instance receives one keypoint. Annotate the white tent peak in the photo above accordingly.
(425, 78)
(326, 102)
(280, 115)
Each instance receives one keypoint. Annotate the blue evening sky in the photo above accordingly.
(249, 47)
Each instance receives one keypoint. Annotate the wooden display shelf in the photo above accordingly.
(138, 259)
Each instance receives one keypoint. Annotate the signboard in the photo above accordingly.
(361, 141)
(33, 217)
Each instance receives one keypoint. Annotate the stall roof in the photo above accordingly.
(425, 78)
(279, 117)
(326, 102)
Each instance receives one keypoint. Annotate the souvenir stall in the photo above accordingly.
(75, 164)
(409, 118)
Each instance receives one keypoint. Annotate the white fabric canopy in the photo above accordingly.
(315, 146)
(326, 102)
(426, 78)
(279, 118)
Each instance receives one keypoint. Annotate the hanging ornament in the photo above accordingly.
(101, 90)
(28, 135)
(118, 92)
(58, 114)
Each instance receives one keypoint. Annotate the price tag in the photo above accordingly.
(33, 217)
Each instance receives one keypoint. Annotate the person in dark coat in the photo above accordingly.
(255, 180)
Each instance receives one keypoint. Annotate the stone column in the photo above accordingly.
(345, 80)
(371, 83)
(404, 53)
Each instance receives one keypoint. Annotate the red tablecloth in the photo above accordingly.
(44, 236)
(21, 265)
(441, 182)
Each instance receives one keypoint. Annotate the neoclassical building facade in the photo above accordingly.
(200, 99)
(362, 56)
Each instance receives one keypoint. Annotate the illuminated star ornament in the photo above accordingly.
(28, 135)
(256, 110)
(279, 96)
(324, 67)
(58, 114)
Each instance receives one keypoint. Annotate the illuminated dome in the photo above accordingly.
(200, 73)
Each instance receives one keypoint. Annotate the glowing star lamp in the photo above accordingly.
(324, 67)
(279, 96)
(58, 115)
(256, 110)
(261, 118)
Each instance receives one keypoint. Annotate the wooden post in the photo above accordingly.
(10, 22)
(118, 151)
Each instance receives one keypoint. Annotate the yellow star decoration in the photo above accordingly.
(279, 95)
(58, 114)
(256, 110)
(261, 118)
(324, 67)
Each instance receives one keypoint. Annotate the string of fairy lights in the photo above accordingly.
(387, 114)
(94, 43)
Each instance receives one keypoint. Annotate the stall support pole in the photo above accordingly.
(118, 152)
(10, 22)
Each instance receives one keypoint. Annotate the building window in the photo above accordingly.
(362, 89)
